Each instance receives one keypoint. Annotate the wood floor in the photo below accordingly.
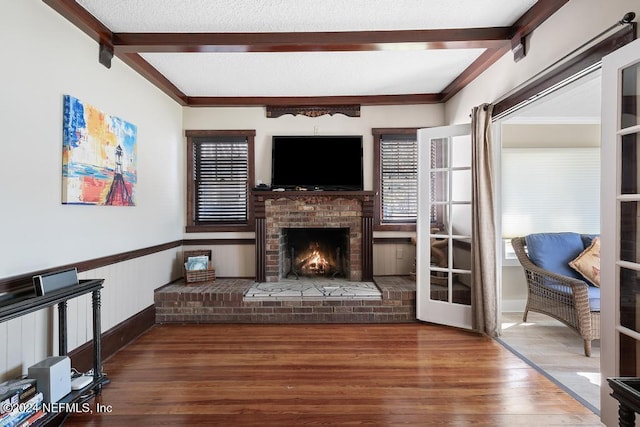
(327, 374)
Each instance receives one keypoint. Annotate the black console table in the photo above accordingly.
(626, 390)
(12, 309)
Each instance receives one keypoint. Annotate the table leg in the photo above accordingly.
(626, 416)
(62, 328)
(97, 346)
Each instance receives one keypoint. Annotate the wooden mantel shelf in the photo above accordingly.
(312, 193)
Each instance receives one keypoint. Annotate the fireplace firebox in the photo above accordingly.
(315, 252)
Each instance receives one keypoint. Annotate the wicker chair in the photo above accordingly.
(561, 297)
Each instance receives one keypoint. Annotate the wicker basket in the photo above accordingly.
(196, 277)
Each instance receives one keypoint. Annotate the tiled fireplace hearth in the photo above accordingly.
(278, 212)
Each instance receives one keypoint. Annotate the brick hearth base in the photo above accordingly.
(221, 302)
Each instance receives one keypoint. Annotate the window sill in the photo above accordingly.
(394, 227)
(218, 228)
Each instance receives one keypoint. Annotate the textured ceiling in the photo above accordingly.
(312, 73)
(302, 15)
(396, 68)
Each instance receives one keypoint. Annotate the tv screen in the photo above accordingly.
(317, 162)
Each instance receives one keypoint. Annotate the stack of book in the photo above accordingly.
(200, 262)
(198, 268)
(20, 403)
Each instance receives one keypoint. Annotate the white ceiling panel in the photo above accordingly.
(312, 73)
(302, 15)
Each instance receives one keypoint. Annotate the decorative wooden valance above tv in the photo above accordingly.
(274, 111)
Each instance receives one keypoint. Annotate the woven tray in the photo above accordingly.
(196, 277)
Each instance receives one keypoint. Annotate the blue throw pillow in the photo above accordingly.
(553, 251)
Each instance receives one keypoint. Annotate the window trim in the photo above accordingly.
(378, 224)
(192, 226)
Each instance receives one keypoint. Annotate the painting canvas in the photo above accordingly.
(99, 157)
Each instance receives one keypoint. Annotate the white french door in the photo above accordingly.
(443, 258)
(620, 221)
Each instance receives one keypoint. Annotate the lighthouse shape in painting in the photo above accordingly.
(118, 194)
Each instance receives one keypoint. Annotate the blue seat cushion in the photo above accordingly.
(553, 251)
(594, 298)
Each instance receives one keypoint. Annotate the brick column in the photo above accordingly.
(367, 238)
(261, 238)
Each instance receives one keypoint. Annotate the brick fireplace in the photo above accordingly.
(277, 212)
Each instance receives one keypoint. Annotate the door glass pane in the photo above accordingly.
(440, 186)
(461, 220)
(461, 151)
(629, 240)
(439, 265)
(461, 290)
(630, 98)
(629, 350)
(440, 153)
(629, 301)
(460, 188)
(629, 164)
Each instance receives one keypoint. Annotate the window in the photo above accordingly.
(396, 178)
(549, 190)
(220, 172)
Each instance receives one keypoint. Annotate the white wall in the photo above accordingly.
(45, 57)
(557, 135)
(389, 259)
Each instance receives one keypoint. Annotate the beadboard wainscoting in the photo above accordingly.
(128, 290)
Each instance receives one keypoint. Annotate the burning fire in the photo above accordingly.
(314, 261)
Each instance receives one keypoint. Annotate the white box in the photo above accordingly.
(53, 375)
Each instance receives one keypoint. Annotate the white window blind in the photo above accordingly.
(550, 190)
(221, 179)
(399, 178)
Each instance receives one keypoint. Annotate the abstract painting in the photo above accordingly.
(99, 157)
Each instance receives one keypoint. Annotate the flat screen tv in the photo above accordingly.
(317, 162)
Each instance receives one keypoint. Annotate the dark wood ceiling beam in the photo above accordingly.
(464, 38)
(249, 101)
